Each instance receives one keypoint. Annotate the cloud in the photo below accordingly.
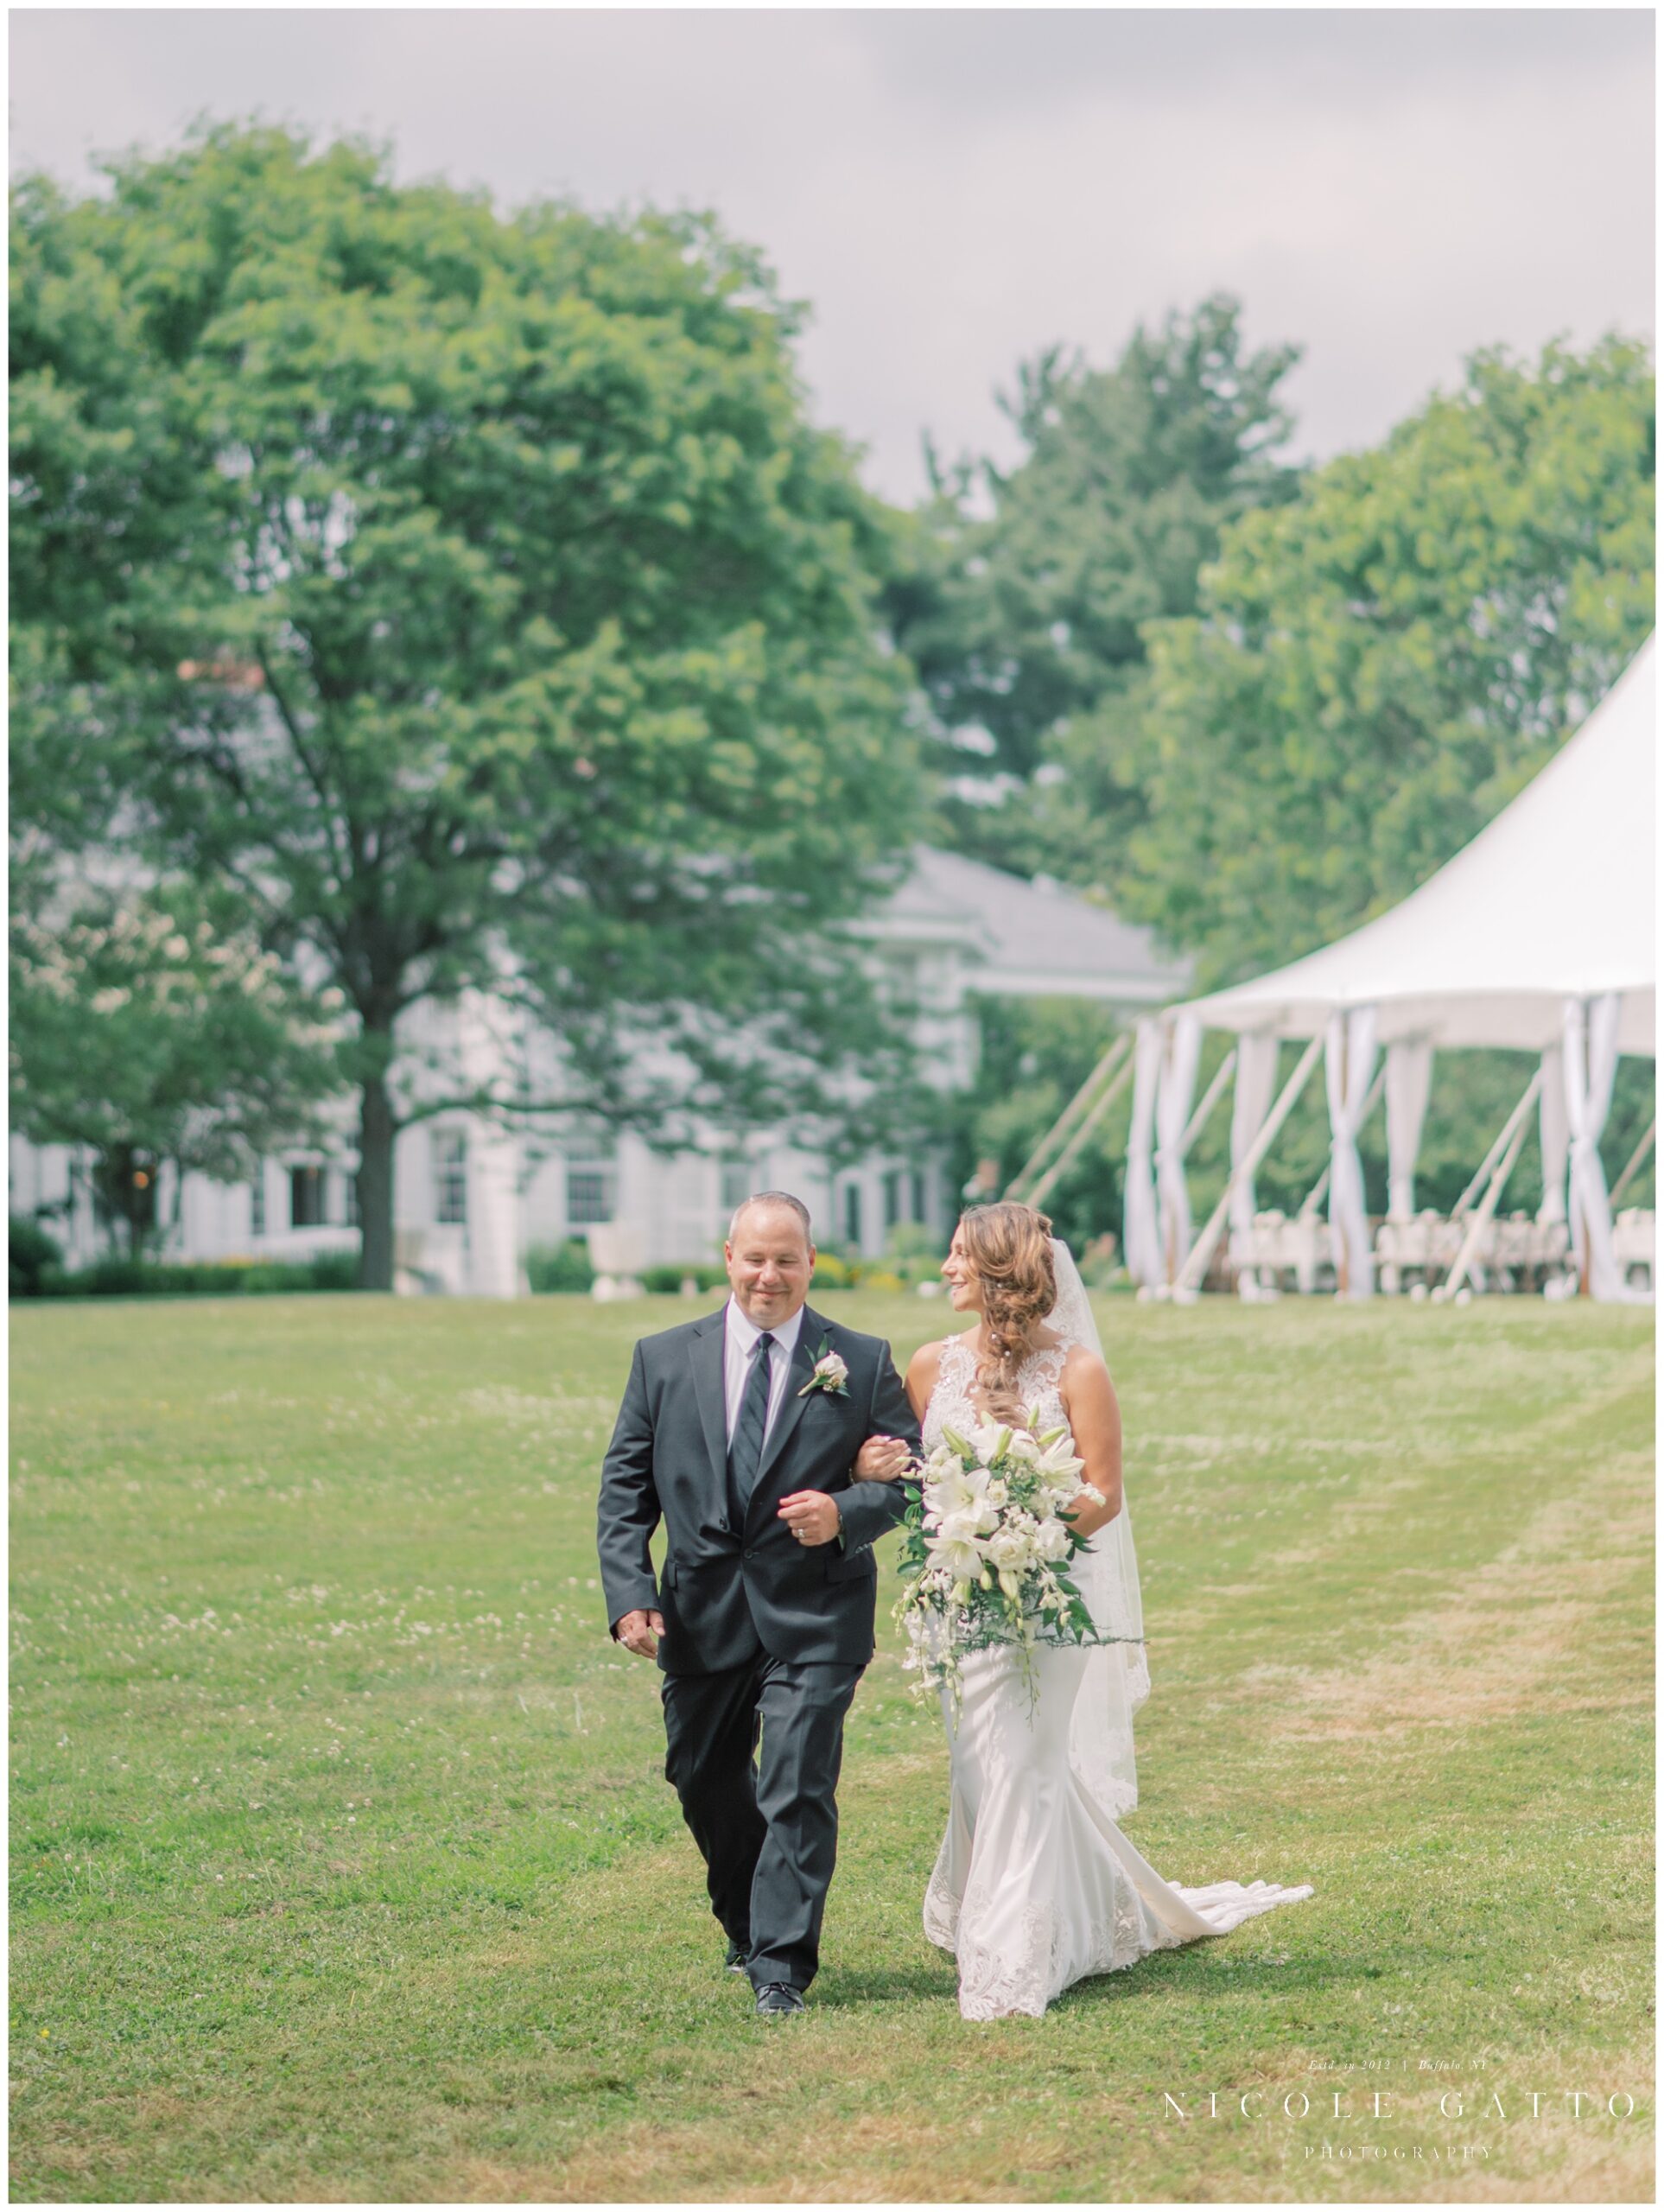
(1354, 58)
(953, 190)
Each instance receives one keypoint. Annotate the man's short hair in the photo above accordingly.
(773, 1198)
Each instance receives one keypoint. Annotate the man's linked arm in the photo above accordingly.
(628, 1510)
(869, 1509)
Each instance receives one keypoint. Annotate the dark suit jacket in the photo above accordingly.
(726, 1590)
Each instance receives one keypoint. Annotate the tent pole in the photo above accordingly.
(1117, 1051)
(1101, 1106)
(1480, 1221)
(1500, 1143)
(1634, 1165)
(1198, 1120)
(1196, 1263)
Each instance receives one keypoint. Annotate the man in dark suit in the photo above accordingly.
(751, 1432)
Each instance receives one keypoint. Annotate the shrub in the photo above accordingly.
(560, 1267)
(913, 1252)
(335, 1271)
(831, 1273)
(125, 1278)
(671, 1276)
(29, 1253)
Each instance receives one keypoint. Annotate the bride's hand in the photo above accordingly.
(1093, 1509)
(881, 1460)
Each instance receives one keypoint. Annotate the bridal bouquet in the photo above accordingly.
(988, 1539)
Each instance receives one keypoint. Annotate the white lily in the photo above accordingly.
(988, 1441)
(963, 1492)
(964, 1528)
(958, 1557)
(1052, 1542)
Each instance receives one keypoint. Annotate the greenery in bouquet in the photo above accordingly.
(989, 1542)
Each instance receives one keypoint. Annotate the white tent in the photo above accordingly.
(1538, 934)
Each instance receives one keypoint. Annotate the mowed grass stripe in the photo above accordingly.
(343, 1866)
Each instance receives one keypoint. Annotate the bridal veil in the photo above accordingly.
(1117, 1677)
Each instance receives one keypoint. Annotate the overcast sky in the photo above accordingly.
(952, 190)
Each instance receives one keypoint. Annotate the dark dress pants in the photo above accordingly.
(768, 1833)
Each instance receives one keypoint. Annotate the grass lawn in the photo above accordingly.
(343, 1867)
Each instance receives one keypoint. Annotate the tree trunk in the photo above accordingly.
(377, 1131)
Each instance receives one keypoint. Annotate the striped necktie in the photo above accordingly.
(746, 1452)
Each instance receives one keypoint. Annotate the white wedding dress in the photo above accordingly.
(1035, 1886)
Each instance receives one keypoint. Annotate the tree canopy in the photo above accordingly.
(472, 595)
(1377, 667)
(1024, 603)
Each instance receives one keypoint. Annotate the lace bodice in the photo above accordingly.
(952, 1405)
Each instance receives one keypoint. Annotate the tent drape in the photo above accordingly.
(1139, 1236)
(1409, 1080)
(1591, 1063)
(1256, 1080)
(1182, 1044)
(1554, 1135)
(1348, 1064)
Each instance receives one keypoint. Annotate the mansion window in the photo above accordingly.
(736, 1181)
(852, 1213)
(450, 1157)
(904, 974)
(306, 1198)
(258, 1201)
(592, 1182)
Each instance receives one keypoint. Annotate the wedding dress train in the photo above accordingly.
(1035, 1886)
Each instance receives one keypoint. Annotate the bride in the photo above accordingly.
(1035, 1885)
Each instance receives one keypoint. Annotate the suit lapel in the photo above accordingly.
(791, 1409)
(706, 1354)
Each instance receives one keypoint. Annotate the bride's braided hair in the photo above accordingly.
(1010, 1246)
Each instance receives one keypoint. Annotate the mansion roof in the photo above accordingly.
(1027, 940)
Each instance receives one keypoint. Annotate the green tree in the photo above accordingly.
(472, 594)
(1025, 591)
(1034, 1055)
(150, 1029)
(1378, 667)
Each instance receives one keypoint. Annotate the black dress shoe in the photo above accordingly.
(738, 1953)
(777, 1998)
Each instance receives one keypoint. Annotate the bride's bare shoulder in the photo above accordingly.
(1082, 1359)
(925, 1365)
(928, 1357)
(1085, 1375)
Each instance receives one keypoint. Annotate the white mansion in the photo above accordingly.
(471, 1199)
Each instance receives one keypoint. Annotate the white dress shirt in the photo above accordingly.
(739, 1336)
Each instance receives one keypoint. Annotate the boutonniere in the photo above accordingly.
(830, 1374)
